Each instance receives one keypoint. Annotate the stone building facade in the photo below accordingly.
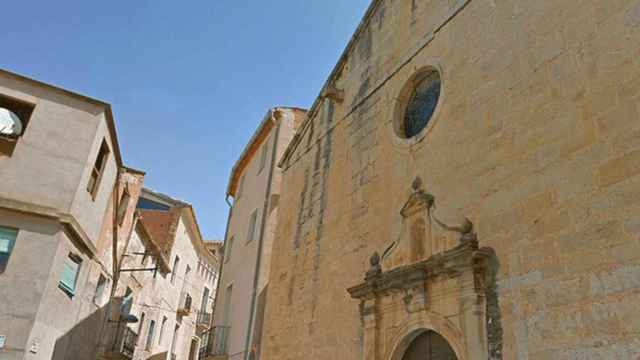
(502, 222)
(255, 186)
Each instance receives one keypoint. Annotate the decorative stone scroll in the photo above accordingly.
(444, 292)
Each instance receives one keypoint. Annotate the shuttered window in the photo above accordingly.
(228, 247)
(252, 226)
(7, 240)
(263, 155)
(69, 275)
(152, 329)
(102, 283)
(98, 170)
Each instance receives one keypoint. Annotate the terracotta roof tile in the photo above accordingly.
(161, 226)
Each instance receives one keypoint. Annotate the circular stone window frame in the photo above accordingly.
(402, 101)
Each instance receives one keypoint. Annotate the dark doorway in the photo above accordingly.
(193, 351)
(429, 346)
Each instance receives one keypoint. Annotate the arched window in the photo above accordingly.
(422, 103)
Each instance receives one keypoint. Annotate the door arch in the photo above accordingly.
(429, 345)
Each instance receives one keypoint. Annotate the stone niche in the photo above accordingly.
(444, 293)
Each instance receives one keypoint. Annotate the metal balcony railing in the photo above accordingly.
(216, 342)
(128, 342)
(203, 320)
(185, 304)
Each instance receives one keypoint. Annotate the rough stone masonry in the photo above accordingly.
(535, 138)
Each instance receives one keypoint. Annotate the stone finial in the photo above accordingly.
(417, 184)
(376, 267)
(375, 259)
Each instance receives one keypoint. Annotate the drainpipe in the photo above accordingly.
(260, 240)
(220, 266)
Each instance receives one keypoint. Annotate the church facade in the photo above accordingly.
(466, 186)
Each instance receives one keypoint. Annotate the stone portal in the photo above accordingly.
(429, 345)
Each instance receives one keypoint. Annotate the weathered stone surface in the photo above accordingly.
(533, 139)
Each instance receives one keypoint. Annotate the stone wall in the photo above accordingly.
(535, 139)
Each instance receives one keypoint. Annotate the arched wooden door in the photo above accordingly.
(429, 346)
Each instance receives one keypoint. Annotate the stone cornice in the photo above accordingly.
(450, 263)
(69, 222)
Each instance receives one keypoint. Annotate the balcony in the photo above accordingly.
(203, 321)
(184, 309)
(124, 346)
(215, 342)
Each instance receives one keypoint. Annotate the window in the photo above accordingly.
(155, 272)
(162, 326)
(422, 102)
(98, 169)
(252, 226)
(227, 249)
(14, 117)
(152, 328)
(175, 339)
(123, 205)
(141, 324)
(263, 155)
(176, 262)
(228, 296)
(69, 276)
(205, 300)
(240, 187)
(127, 303)
(102, 284)
(7, 241)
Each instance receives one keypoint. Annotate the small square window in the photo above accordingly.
(228, 247)
(176, 262)
(14, 118)
(8, 238)
(100, 287)
(69, 275)
(252, 226)
(263, 155)
(98, 170)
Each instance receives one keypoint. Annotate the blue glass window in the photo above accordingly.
(7, 240)
(69, 275)
(422, 103)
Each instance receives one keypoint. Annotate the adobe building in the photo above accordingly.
(255, 186)
(466, 187)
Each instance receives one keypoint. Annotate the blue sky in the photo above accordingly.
(188, 80)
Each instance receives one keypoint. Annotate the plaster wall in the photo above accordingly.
(29, 274)
(158, 297)
(239, 268)
(51, 163)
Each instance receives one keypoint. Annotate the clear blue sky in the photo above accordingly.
(188, 80)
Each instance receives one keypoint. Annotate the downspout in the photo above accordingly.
(260, 240)
(220, 266)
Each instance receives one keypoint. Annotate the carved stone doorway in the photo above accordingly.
(429, 346)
